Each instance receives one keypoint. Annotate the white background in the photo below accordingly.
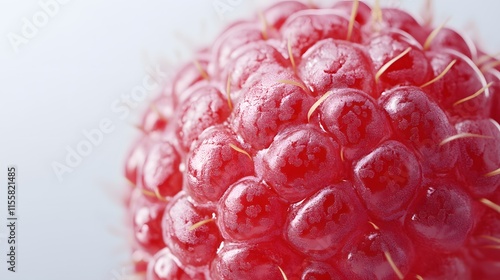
(63, 81)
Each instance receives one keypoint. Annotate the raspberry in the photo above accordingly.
(344, 142)
(493, 76)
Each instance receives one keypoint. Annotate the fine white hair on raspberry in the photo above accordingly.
(393, 265)
(473, 66)
(202, 71)
(433, 35)
(352, 19)
(490, 203)
(294, 83)
(495, 172)
(290, 54)
(282, 273)
(490, 65)
(491, 238)
(376, 16)
(462, 136)
(240, 150)
(201, 223)
(228, 92)
(485, 58)
(317, 104)
(386, 66)
(441, 75)
(374, 225)
(264, 24)
(474, 95)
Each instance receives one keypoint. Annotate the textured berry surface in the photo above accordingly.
(311, 143)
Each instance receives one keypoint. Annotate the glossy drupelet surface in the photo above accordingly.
(314, 143)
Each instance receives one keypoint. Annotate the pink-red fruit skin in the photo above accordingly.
(309, 142)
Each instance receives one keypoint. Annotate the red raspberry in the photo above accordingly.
(345, 142)
(230, 40)
(493, 76)
(443, 266)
